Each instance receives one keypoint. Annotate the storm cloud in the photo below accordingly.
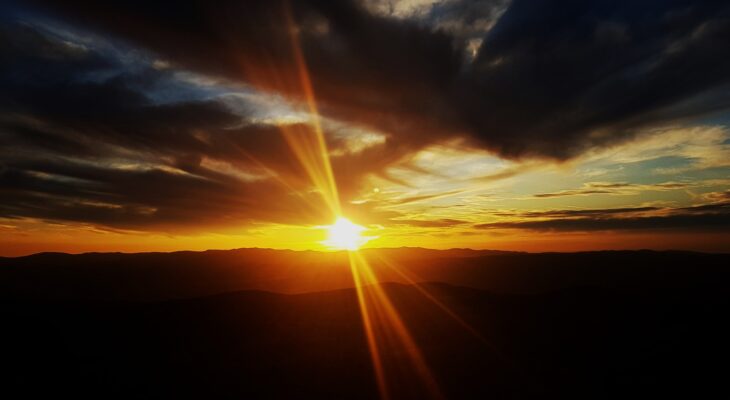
(102, 152)
(550, 78)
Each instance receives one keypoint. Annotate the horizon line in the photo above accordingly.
(418, 248)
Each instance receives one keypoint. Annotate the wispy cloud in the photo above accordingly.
(709, 217)
(615, 188)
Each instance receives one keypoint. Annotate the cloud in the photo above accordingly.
(550, 79)
(616, 188)
(698, 147)
(715, 196)
(101, 151)
(577, 213)
(433, 223)
(708, 217)
(91, 136)
(423, 197)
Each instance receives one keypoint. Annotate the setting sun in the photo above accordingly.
(345, 235)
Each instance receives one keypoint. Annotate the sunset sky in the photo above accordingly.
(514, 125)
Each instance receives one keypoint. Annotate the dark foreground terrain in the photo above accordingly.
(583, 326)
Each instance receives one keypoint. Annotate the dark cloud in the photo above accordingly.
(577, 213)
(432, 223)
(466, 19)
(566, 75)
(709, 217)
(82, 139)
(30, 57)
(101, 152)
(145, 200)
(550, 79)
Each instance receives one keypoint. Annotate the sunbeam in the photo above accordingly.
(392, 266)
(385, 331)
(387, 334)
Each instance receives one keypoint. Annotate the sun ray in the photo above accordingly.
(383, 326)
(311, 151)
(385, 331)
(365, 314)
(391, 265)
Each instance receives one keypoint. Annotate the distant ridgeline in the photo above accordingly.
(159, 276)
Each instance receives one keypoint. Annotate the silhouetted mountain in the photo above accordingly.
(575, 343)
(158, 276)
(564, 326)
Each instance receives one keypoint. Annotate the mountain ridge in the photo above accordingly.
(156, 276)
(568, 344)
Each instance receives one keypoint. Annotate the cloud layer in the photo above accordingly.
(710, 217)
(168, 116)
(550, 78)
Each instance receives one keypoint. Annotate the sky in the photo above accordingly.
(537, 125)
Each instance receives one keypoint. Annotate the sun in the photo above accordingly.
(345, 235)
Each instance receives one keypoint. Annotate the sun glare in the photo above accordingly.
(345, 235)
